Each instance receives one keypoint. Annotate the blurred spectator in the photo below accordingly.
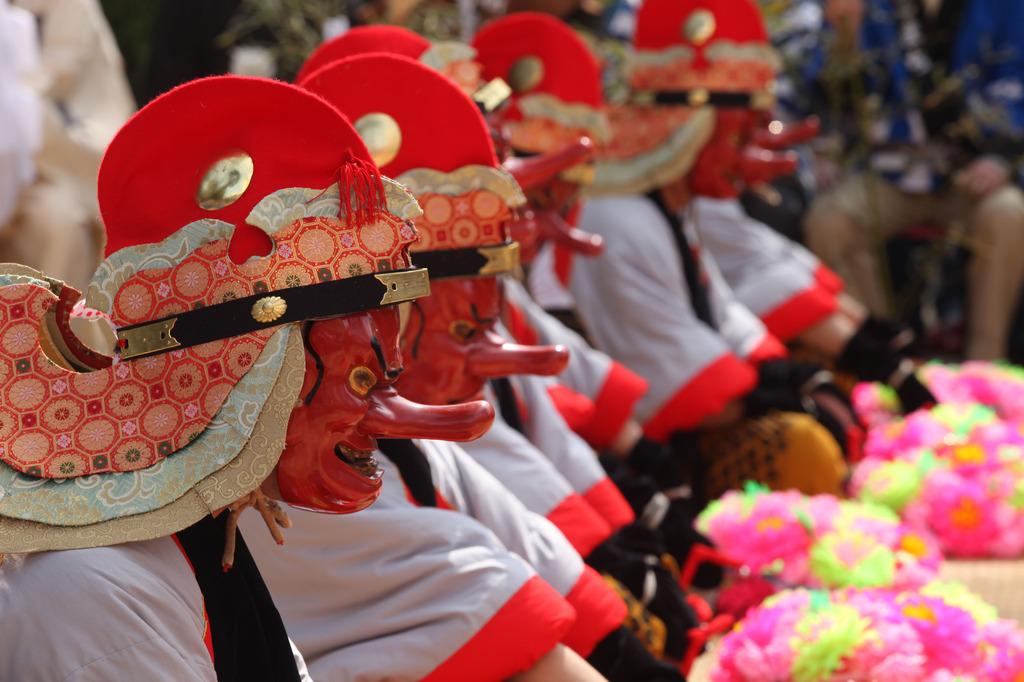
(85, 99)
(20, 108)
(934, 89)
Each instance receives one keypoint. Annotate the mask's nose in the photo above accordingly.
(492, 357)
(533, 171)
(392, 416)
(548, 224)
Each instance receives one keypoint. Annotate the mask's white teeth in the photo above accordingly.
(362, 461)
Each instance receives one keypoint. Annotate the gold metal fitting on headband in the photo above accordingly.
(268, 309)
(763, 99)
(698, 97)
(406, 285)
(492, 95)
(146, 339)
(502, 258)
(581, 174)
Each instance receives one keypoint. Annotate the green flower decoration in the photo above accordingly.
(959, 595)
(893, 485)
(825, 639)
(852, 559)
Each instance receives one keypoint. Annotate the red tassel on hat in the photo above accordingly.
(361, 189)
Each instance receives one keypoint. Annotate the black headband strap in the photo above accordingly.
(473, 262)
(699, 97)
(270, 309)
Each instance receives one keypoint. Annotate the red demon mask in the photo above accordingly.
(348, 399)
(450, 345)
(452, 348)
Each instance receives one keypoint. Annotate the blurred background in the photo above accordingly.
(76, 69)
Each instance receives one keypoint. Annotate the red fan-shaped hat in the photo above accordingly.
(150, 176)
(430, 136)
(537, 53)
(439, 127)
(668, 23)
(364, 40)
(698, 52)
(555, 80)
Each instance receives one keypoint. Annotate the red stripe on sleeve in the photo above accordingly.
(806, 309)
(526, 628)
(614, 405)
(606, 498)
(576, 409)
(582, 526)
(599, 611)
(828, 280)
(770, 348)
(725, 379)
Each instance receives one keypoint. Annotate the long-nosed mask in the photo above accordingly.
(452, 348)
(348, 400)
(552, 123)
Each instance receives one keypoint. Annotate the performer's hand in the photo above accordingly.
(983, 176)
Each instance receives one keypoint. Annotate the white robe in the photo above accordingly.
(396, 590)
(612, 390)
(636, 306)
(127, 612)
(534, 478)
(776, 278)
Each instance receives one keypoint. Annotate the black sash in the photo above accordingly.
(413, 467)
(699, 297)
(507, 405)
(249, 639)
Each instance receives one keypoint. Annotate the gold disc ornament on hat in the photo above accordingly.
(382, 135)
(699, 26)
(225, 181)
(526, 74)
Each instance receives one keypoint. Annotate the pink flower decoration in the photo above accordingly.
(761, 649)
(760, 530)
(964, 518)
(949, 635)
(59, 386)
(1004, 651)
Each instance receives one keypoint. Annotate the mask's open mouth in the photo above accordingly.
(362, 461)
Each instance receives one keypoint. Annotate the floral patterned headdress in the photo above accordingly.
(424, 131)
(235, 209)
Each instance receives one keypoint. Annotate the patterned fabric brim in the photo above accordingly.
(645, 152)
(242, 475)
